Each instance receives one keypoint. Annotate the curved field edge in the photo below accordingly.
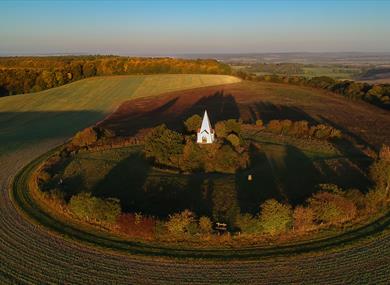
(20, 195)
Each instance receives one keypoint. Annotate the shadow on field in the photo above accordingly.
(141, 114)
(283, 173)
(19, 129)
(268, 111)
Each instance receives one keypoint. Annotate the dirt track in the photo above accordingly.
(29, 255)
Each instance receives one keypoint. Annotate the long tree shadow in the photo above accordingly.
(20, 129)
(141, 189)
(128, 120)
(268, 111)
(283, 173)
(220, 106)
(349, 146)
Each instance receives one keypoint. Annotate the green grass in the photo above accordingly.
(277, 166)
(59, 112)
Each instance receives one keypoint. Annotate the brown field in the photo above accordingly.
(362, 123)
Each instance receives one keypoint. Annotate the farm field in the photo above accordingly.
(27, 248)
(58, 113)
(361, 122)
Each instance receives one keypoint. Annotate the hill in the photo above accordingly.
(59, 112)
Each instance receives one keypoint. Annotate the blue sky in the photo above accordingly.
(174, 27)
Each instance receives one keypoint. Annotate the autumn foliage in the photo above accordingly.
(20, 75)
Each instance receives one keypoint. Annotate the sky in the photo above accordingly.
(179, 27)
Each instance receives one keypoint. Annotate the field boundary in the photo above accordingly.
(20, 196)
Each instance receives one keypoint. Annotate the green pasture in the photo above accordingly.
(59, 112)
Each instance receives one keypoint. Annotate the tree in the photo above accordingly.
(275, 217)
(193, 123)
(193, 157)
(164, 145)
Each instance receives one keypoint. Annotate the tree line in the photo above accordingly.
(19, 75)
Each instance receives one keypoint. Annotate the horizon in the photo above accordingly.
(171, 28)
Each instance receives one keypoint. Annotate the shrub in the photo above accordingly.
(233, 126)
(357, 197)
(259, 124)
(136, 225)
(249, 224)
(233, 139)
(205, 225)
(85, 137)
(193, 123)
(299, 129)
(275, 126)
(286, 126)
(303, 218)
(275, 217)
(178, 224)
(380, 175)
(87, 207)
(56, 198)
(220, 130)
(331, 208)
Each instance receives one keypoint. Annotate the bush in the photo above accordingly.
(331, 208)
(249, 224)
(86, 207)
(234, 140)
(220, 130)
(299, 129)
(259, 124)
(275, 126)
(303, 218)
(379, 197)
(85, 137)
(205, 225)
(233, 126)
(193, 123)
(178, 224)
(136, 225)
(275, 217)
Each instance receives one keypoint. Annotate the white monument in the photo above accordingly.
(205, 134)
